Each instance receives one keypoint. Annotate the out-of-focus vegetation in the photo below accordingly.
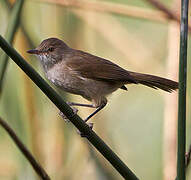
(139, 125)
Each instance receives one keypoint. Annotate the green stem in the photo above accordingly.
(100, 166)
(11, 30)
(182, 91)
(94, 139)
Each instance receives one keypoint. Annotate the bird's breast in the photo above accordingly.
(65, 79)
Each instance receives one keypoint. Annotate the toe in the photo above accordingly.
(64, 117)
(90, 125)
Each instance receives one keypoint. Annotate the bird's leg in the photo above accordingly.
(90, 116)
(95, 112)
(88, 105)
(78, 104)
(75, 110)
(83, 105)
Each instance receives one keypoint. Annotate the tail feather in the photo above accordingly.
(155, 81)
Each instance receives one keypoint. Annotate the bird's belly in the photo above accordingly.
(66, 82)
(88, 88)
(68, 85)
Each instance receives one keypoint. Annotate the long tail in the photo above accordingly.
(155, 81)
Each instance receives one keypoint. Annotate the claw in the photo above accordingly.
(69, 103)
(64, 117)
(82, 134)
(90, 125)
(75, 110)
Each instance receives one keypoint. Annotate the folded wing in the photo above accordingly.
(93, 67)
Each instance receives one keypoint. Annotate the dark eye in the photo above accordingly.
(51, 49)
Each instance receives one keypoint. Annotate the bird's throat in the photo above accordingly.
(47, 62)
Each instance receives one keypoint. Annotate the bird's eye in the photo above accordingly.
(51, 49)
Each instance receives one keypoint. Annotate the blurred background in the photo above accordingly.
(139, 125)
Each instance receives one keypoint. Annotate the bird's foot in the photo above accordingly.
(64, 117)
(69, 103)
(81, 133)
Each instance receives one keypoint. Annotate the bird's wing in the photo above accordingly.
(93, 67)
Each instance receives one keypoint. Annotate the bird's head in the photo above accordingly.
(50, 51)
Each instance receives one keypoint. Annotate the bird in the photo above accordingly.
(92, 77)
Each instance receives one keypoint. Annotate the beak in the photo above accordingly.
(33, 51)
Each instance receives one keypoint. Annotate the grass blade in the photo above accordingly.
(11, 30)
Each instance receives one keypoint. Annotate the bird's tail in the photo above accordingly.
(154, 81)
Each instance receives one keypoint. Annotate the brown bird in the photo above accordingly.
(92, 77)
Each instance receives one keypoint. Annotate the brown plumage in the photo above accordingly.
(90, 76)
(93, 67)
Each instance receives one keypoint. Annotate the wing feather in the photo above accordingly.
(93, 67)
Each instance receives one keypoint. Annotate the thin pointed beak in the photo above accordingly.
(33, 51)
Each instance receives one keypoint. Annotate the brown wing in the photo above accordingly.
(94, 67)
